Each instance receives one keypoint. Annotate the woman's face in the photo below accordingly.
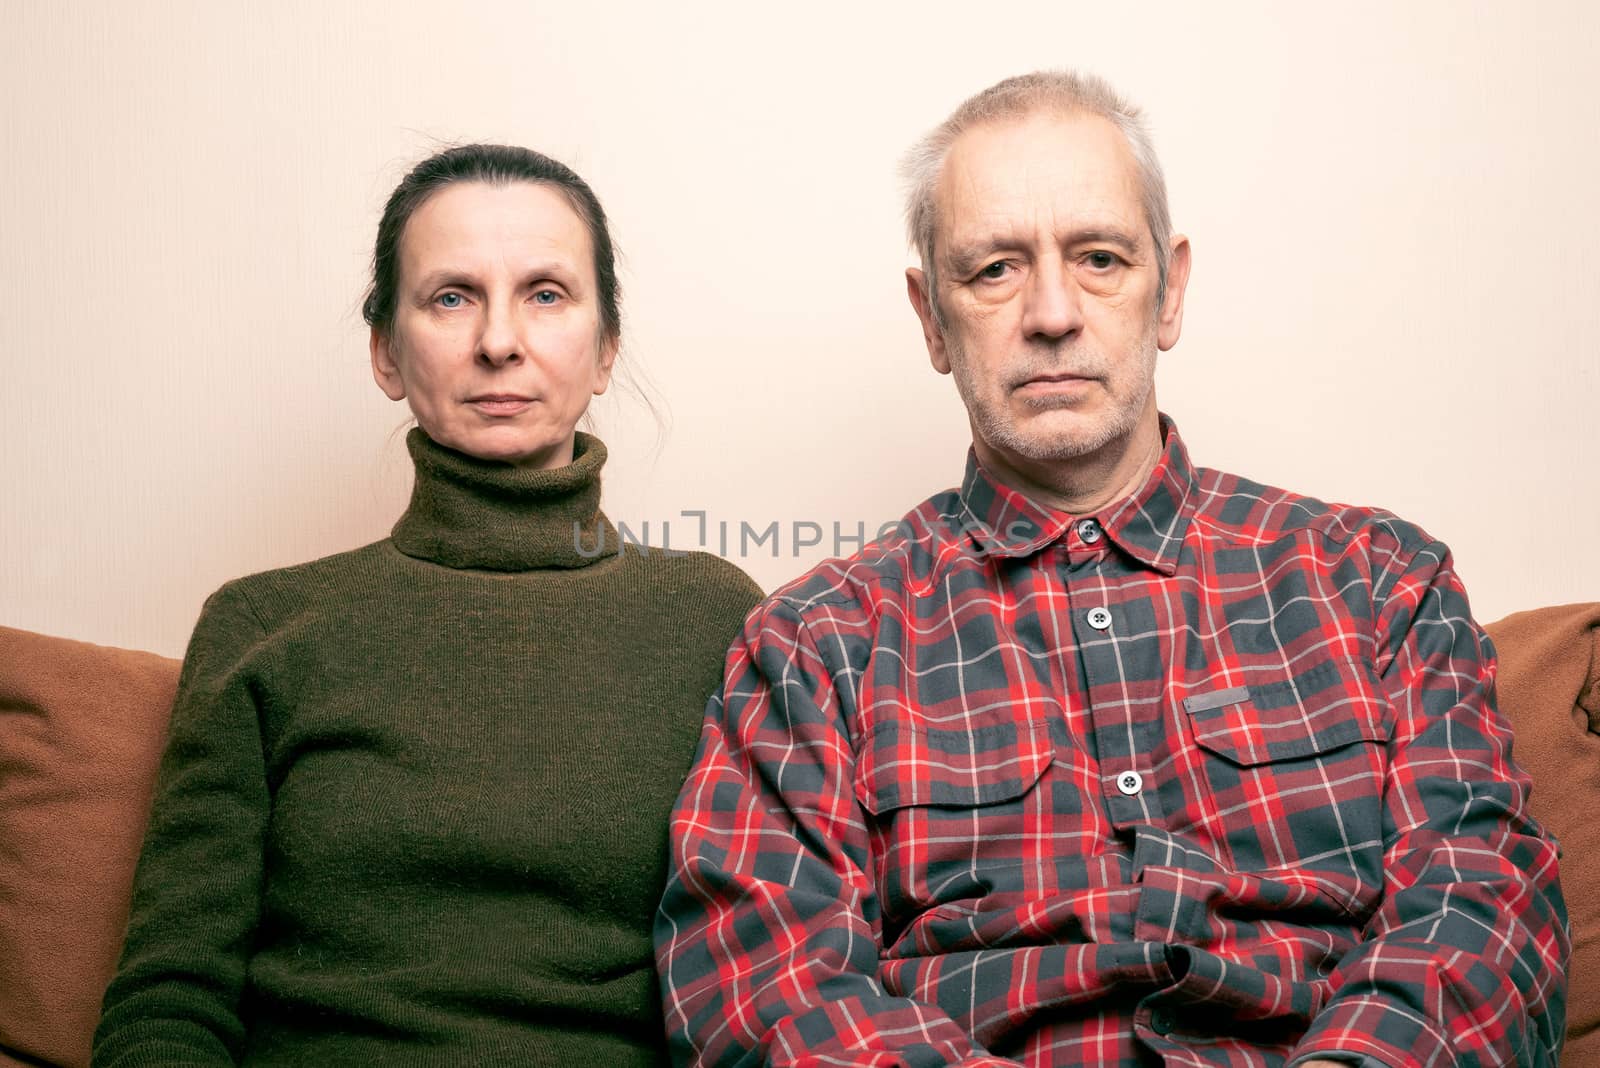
(496, 336)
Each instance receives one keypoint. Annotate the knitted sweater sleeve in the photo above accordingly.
(197, 891)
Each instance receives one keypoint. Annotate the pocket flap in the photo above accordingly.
(1316, 711)
(901, 764)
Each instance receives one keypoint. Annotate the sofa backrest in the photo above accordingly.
(81, 732)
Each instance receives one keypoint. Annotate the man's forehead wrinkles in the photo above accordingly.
(988, 204)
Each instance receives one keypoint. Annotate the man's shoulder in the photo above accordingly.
(1242, 511)
(902, 560)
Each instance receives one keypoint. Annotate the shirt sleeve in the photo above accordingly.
(197, 890)
(768, 935)
(1465, 959)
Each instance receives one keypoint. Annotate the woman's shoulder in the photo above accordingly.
(267, 594)
(695, 602)
(689, 585)
(685, 571)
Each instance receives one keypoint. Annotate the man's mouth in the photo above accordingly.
(1055, 383)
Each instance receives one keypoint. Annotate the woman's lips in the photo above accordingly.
(500, 404)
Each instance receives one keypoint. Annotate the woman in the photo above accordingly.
(414, 803)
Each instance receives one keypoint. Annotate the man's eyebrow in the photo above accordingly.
(965, 258)
(1128, 242)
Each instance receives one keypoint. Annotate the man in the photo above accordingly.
(1104, 758)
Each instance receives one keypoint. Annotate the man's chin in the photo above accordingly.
(1060, 450)
(1060, 433)
(1036, 402)
(1051, 448)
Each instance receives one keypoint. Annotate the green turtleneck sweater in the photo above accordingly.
(414, 804)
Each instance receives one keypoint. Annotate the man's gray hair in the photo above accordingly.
(1059, 90)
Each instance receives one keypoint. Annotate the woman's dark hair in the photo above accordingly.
(497, 165)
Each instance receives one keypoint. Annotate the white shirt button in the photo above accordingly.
(1088, 531)
(1130, 782)
(1098, 618)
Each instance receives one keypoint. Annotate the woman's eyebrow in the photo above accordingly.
(445, 276)
(458, 276)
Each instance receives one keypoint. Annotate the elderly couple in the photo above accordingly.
(1102, 758)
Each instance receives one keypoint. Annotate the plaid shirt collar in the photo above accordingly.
(1148, 525)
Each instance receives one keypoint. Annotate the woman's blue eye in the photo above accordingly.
(546, 296)
(450, 300)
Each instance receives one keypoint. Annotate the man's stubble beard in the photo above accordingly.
(995, 425)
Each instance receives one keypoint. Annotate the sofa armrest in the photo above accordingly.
(1549, 688)
(81, 732)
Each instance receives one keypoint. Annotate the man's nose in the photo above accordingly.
(499, 343)
(1053, 306)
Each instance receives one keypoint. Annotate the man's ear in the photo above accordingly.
(922, 303)
(384, 369)
(1170, 320)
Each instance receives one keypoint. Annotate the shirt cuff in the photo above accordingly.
(1359, 1060)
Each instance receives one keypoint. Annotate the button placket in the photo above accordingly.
(1095, 585)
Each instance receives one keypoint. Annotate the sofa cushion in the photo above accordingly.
(81, 732)
(1549, 688)
(82, 727)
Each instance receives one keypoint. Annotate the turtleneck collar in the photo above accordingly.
(471, 513)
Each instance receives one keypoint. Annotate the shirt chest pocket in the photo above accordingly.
(947, 805)
(1295, 769)
(1318, 711)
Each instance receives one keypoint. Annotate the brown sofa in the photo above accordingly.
(81, 730)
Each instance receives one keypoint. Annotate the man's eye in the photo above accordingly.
(994, 272)
(1101, 261)
(449, 300)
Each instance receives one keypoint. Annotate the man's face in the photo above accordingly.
(1046, 277)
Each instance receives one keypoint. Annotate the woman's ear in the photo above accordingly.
(385, 369)
(608, 361)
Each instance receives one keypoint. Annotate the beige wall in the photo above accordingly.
(1392, 210)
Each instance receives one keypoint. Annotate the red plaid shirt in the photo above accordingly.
(1212, 777)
